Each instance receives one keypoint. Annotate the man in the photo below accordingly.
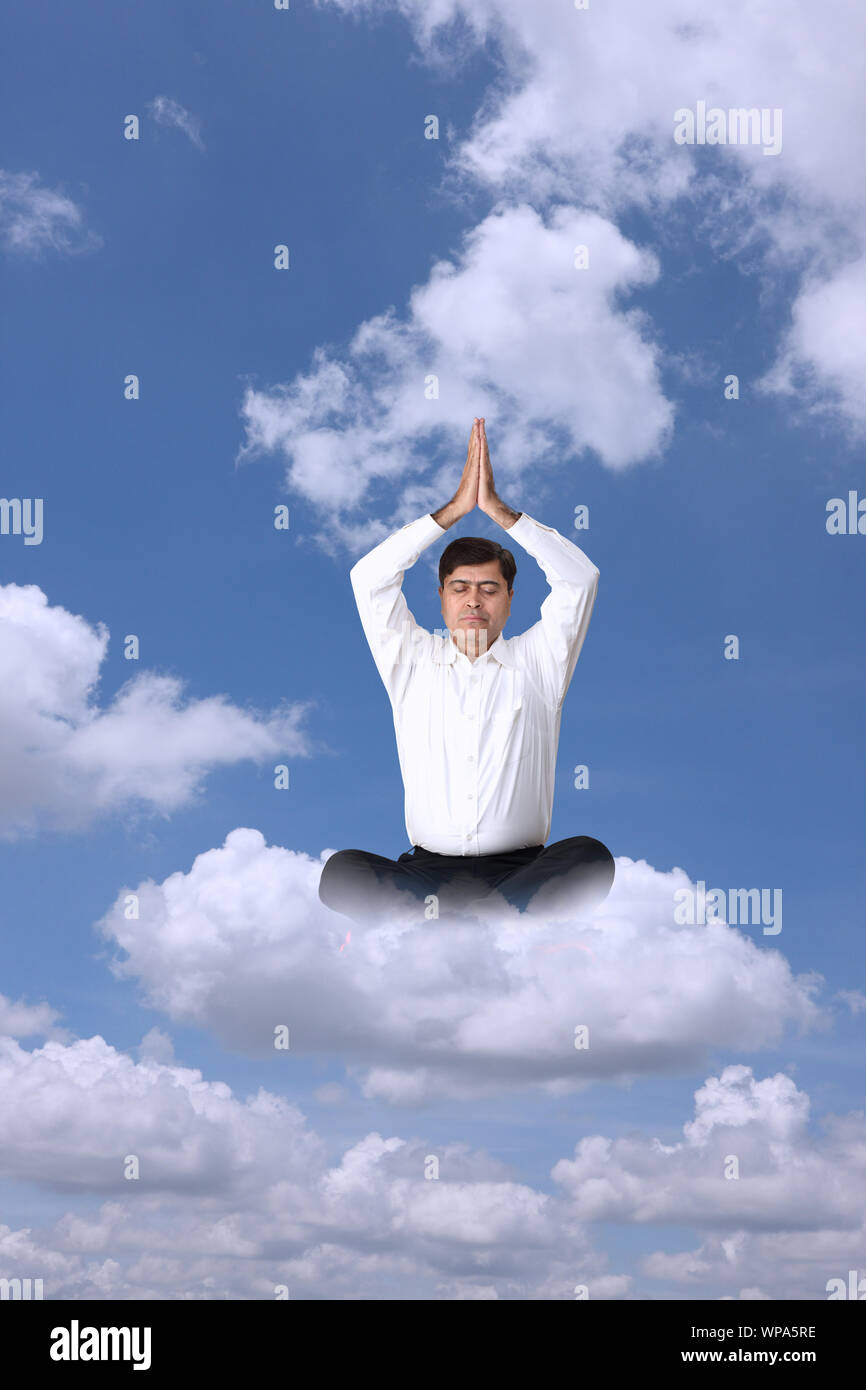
(476, 715)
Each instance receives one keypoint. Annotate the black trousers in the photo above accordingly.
(578, 872)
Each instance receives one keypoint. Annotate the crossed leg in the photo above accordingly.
(577, 872)
(358, 883)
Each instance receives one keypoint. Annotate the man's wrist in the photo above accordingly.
(446, 516)
(504, 516)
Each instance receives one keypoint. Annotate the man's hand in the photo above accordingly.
(488, 500)
(476, 486)
(465, 498)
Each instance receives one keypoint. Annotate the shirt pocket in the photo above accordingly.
(506, 717)
(510, 705)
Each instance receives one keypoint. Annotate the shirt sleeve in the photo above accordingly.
(550, 649)
(377, 580)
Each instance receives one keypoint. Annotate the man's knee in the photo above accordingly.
(340, 869)
(346, 856)
(582, 849)
(600, 854)
(585, 857)
(601, 865)
(358, 882)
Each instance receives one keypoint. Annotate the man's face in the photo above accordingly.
(476, 599)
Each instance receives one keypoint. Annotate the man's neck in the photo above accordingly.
(476, 646)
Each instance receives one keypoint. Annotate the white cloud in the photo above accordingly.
(235, 1197)
(188, 1134)
(513, 331)
(168, 112)
(34, 218)
(587, 98)
(788, 1179)
(240, 944)
(20, 1020)
(66, 759)
(238, 1195)
(581, 111)
(156, 1046)
(822, 363)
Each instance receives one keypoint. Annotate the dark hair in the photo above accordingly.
(476, 550)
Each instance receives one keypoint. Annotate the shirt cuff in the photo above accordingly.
(525, 523)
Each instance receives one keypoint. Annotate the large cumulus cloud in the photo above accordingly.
(577, 124)
(482, 1002)
(555, 350)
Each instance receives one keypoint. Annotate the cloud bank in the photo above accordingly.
(234, 1199)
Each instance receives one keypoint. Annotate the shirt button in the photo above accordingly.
(470, 796)
(472, 757)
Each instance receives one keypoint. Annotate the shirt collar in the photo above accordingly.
(447, 652)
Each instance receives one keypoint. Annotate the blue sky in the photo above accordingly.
(707, 517)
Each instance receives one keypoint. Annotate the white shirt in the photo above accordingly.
(477, 740)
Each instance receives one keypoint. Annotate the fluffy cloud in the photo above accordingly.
(586, 99)
(20, 1020)
(582, 111)
(512, 322)
(789, 1221)
(66, 760)
(785, 1178)
(822, 361)
(236, 1197)
(478, 1004)
(188, 1134)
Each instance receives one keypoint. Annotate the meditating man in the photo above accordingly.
(476, 716)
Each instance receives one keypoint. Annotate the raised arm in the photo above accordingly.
(377, 578)
(549, 649)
